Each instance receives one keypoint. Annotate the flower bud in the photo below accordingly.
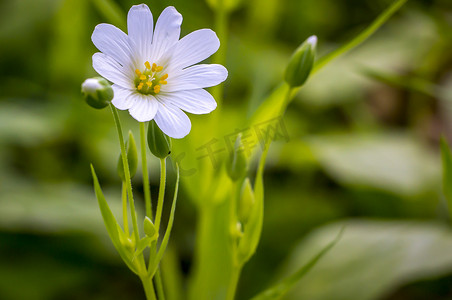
(158, 142)
(97, 92)
(149, 228)
(246, 201)
(301, 63)
(132, 158)
(237, 164)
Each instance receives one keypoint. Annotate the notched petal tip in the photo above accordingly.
(139, 7)
(173, 10)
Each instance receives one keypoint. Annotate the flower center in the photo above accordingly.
(150, 80)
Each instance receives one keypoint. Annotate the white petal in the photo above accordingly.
(113, 42)
(196, 77)
(144, 108)
(194, 48)
(122, 98)
(193, 101)
(140, 26)
(167, 32)
(172, 121)
(109, 68)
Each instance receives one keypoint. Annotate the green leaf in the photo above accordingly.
(277, 102)
(164, 243)
(252, 231)
(372, 259)
(447, 172)
(363, 36)
(279, 290)
(111, 224)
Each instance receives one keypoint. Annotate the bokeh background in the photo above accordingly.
(363, 150)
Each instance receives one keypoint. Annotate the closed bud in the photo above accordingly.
(97, 92)
(237, 164)
(301, 63)
(158, 142)
(246, 201)
(132, 158)
(149, 228)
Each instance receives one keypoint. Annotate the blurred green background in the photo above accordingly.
(363, 150)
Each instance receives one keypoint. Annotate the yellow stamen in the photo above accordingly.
(154, 65)
(140, 86)
(143, 77)
(164, 77)
(159, 68)
(157, 89)
(148, 65)
(148, 83)
(163, 82)
(138, 72)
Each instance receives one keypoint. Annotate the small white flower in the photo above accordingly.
(152, 70)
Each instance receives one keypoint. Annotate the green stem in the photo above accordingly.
(158, 215)
(126, 172)
(148, 288)
(159, 285)
(144, 164)
(234, 282)
(124, 208)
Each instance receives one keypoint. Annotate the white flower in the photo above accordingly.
(152, 70)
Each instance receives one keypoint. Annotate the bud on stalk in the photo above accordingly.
(301, 63)
(132, 158)
(97, 92)
(158, 142)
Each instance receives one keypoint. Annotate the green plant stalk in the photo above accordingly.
(158, 218)
(126, 172)
(235, 276)
(124, 209)
(148, 288)
(213, 252)
(158, 214)
(159, 285)
(144, 166)
(147, 284)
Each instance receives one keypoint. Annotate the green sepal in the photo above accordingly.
(237, 164)
(246, 201)
(132, 158)
(252, 232)
(446, 158)
(97, 92)
(301, 63)
(113, 228)
(149, 228)
(279, 290)
(158, 142)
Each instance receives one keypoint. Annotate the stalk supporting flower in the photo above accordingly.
(153, 71)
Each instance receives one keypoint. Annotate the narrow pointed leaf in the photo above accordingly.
(252, 232)
(111, 224)
(276, 102)
(280, 289)
(168, 228)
